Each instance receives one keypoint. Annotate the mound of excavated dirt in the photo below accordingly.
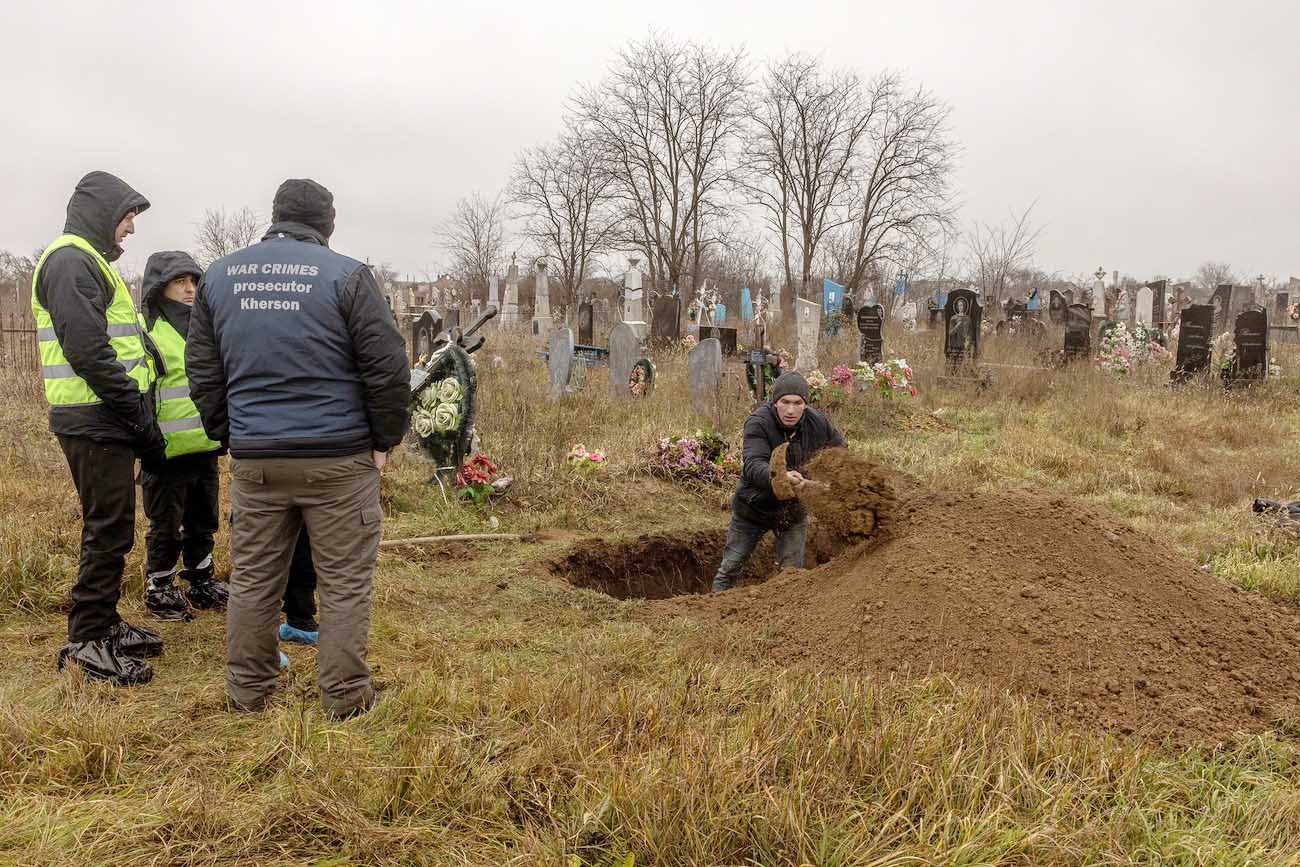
(1045, 595)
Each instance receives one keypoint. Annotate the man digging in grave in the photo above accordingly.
(785, 420)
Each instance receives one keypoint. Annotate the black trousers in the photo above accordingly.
(300, 593)
(104, 475)
(181, 502)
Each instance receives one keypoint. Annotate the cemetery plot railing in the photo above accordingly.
(19, 354)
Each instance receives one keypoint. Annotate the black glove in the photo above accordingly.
(152, 461)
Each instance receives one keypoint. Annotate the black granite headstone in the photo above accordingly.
(1056, 307)
(665, 321)
(1222, 301)
(1159, 289)
(1078, 331)
(1195, 330)
(871, 325)
(1250, 336)
(585, 322)
(726, 336)
(961, 326)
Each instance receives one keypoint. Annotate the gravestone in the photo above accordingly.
(725, 336)
(1078, 331)
(1145, 313)
(494, 291)
(808, 322)
(586, 323)
(1222, 301)
(560, 359)
(746, 305)
(1195, 333)
(704, 374)
(624, 350)
(1250, 336)
(1069, 297)
(871, 325)
(541, 302)
(1056, 306)
(666, 320)
(510, 307)
(720, 314)
(632, 292)
(1159, 303)
(1281, 301)
(961, 326)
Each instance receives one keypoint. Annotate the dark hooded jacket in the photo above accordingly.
(332, 378)
(754, 500)
(77, 295)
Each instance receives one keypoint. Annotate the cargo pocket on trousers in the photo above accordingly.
(371, 516)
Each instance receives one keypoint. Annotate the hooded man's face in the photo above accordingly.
(181, 289)
(124, 228)
(790, 409)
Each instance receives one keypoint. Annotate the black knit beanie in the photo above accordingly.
(790, 382)
(300, 200)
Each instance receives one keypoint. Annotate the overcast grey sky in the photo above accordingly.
(1152, 135)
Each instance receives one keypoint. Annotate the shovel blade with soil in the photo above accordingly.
(847, 493)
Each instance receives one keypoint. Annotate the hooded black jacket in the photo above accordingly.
(77, 295)
(376, 344)
(754, 500)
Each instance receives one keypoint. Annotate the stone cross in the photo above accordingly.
(809, 323)
(704, 374)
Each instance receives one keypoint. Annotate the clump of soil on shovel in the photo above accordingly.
(1039, 593)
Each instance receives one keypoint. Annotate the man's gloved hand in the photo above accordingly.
(152, 461)
(149, 445)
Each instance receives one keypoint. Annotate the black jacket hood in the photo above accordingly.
(303, 201)
(98, 204)
(161, 269)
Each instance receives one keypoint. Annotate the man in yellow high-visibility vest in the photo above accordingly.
(180, 496)
(97, 381)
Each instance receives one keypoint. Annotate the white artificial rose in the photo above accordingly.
(449, 390)
(422, 422)
(446, 418)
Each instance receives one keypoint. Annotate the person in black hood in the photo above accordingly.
(755, 510)
(297, 364)
(180, 494)
(98, 382)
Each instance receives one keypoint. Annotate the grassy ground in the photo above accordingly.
(527, 723)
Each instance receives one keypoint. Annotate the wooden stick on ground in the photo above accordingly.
(471, 537)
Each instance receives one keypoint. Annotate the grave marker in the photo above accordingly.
(1159, 303)
(1222, 301)
(1145, 313)
(871, 325)
(510, 309)
(808, 320)
(560, 359)
(961, 326)
(1078, 331)
(725, 336)
(624, 350)
(541, 302)
(1056, 307)
(665, 320)
(1195, 329)
(1250, 336)
(586, 322)
(704, 374)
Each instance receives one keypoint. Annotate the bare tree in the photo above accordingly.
(16, 279)
(667, 120)
(566, 201)
(474, 239)
(809, 126)
(901, 192)
(1211, 275)
(220, 234)
(995, 252)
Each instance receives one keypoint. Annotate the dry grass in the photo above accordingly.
(526, 723)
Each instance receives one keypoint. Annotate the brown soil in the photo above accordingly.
(662, 565)
(1042, 594)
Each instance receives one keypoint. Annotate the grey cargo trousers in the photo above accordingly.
(338, 500)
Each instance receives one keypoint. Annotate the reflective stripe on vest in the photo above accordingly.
(178, 417)
(63, 387)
